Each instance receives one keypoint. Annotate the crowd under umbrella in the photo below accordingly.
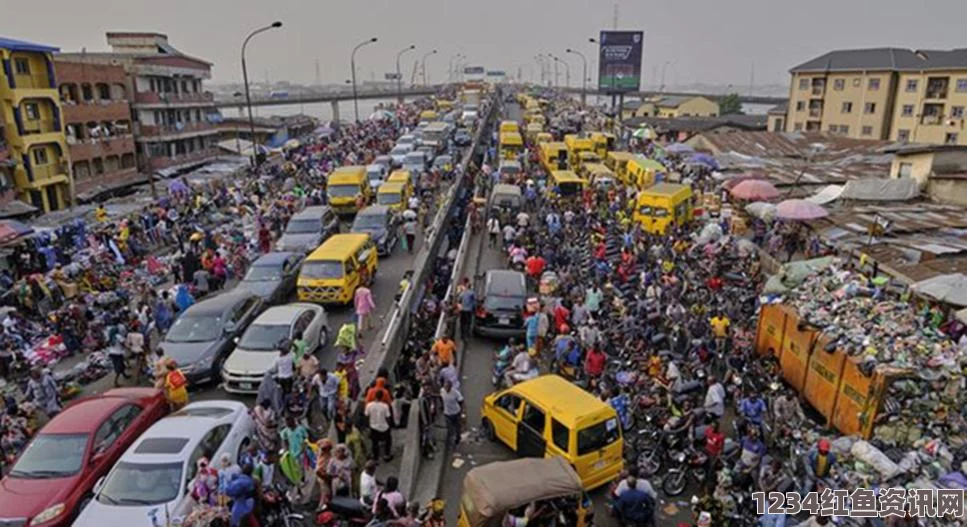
(800, 210)
(755, 190)
(704, 159)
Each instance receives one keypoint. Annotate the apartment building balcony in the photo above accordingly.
(818, 91)
(42, 175)
(113, 110)
(815, 113)
(175, 131)
(163, 162)
(39, 131)
(102, 147)
(149, 98)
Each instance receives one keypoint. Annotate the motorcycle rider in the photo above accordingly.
(786, 410)
(520, 369)
(635, 507)
(242, 491)
(714, 399)
(753, 410)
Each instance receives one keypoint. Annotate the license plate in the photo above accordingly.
(245, 385)
(504, 320)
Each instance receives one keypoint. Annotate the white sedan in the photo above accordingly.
(153, 477)
(258, 348)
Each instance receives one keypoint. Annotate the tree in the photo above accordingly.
(730, 104)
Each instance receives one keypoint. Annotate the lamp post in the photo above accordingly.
(584, 77)
(352, 67)
(248, 97)
(423, 66)
(545, 67)
(399, 75)
(567, 70)
(450, 67)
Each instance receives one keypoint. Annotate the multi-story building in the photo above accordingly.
(97, 120)
(172, 114)
(882, 93)
(33, 130)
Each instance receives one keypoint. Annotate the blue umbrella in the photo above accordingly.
(704, 159)
(679, 148)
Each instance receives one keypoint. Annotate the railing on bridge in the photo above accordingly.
(330, 96)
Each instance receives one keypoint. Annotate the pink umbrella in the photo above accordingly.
(755, 190)
(800, 209)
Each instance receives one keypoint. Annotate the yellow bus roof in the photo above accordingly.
(511, 138)
(563, 176)
(567, 403)
(508, 124)
(391, 187)
(345, 178)
(339, 247)
(554, 145)
(398, 175)
(621, 155)
(350, 169)
(667, 189)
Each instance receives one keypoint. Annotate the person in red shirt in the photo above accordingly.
(594, 363)
(715, 283)
(535, 266)
(714, 444)
(561, 316)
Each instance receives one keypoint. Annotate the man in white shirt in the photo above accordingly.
(522, 219)
(493, 229)
(368, 485)
(509, 234)
(414, 203)
(714, 399)
(285, 369)
(380, 415)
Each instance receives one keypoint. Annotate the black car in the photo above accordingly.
(462, 137)
(501, 299)
(380, 223)
(273, 276)
(204, 335)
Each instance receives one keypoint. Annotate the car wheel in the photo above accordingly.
(488, 429)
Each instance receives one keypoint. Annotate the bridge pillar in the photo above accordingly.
(335, 110)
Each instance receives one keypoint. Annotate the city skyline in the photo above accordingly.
(761, 36)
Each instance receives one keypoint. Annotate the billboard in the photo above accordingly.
(619, 61)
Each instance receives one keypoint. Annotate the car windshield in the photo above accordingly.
(141, 484)
(195, 328)
(51, 456)
(263, 273)
(322, 269)
(400, 150)
(388, 198)
(343, 191)
(368, 221)
(309, 226)
(494, 302)
(264, 337)
(661, 213)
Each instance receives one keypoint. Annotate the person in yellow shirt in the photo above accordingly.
(100, 213)
(720, 329)
(176, 386)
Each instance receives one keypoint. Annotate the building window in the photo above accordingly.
(874, 84)
(907, 110)
(912, 85)
(843, 129)
(833, 128)
(847, 107)
(869, 107)
(839, 84)
(797, 127)
(961, 85)
(957, 112)
(905, 169)
(21, 66)
(903, 135)
(800, 106)
(31, 111)
(867, 130)
(803, 84)
(856, 82)
(950, 139)
(40, 156)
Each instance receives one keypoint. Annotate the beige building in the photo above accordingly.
(777, 118)
(940, 170)
(882, 93)
(685, 106)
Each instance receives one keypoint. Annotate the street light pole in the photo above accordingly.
(584, 76)
(423, 67)
(248, 97)
(450, 67)
(352, 66)
(399, 75)
(567, 70)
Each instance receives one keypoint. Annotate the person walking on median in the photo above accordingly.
(364, 303)
(380, 415)
(468, 304)
(452, 411)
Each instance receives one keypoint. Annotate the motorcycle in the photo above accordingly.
(277, 510)
(685, 464)
(502, 361)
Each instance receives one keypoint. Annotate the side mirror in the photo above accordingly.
(99, 485)
(230, 328)
(97, 456)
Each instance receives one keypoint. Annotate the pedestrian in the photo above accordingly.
(285, 370)
(115, 352)
(327, 385)
(365, 305)
(468, 304)
(714, 399)
(42, 391)
(409, 231)
(452, 411)
(714, 444)
(266, 425)
(493, 229)
(380, 418)
(176, 386)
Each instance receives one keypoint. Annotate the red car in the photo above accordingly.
(55, 475)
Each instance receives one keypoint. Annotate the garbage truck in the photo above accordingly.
(848, 396)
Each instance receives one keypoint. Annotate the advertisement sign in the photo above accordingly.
(392, 76)
(619, 61)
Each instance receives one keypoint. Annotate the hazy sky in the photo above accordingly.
(704, 41)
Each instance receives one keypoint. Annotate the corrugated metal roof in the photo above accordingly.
(885, 59)
(22, 45)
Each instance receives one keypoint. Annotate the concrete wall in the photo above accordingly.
(952, 190)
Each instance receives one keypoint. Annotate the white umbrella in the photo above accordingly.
(762, 210)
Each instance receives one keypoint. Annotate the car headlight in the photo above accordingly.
(202, 364)
(48, 514)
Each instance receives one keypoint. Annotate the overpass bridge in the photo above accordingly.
(748, 99)
(332, 97)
